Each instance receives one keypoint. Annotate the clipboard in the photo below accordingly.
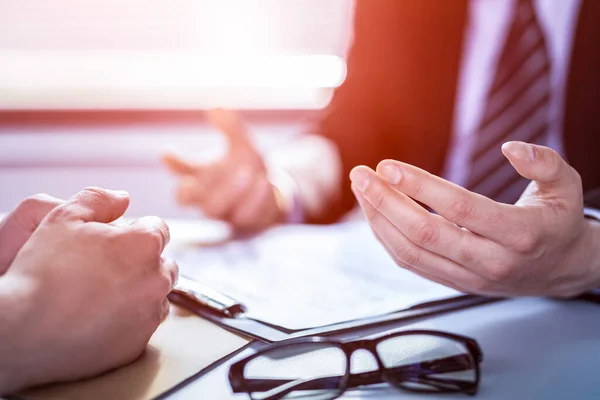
(269, 333)
(197, 292)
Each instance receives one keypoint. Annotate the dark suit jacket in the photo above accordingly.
(398, 97)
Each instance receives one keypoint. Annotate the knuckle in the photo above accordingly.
(164, 285)
(172, 271)
(424, 233)
(154, 240)
(60, 213)
(28, 206)
(556, 163)
(165, 232)
(94, 194)
(148, 239)
(371, 214)
(481, 286)
(35, 201)
(499, 273)
(460, 211)
(466, 255)
(525, 243)
(377, 198)
(407, 255)
(416, 187)
(114, 238)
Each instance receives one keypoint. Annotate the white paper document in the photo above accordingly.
(300, 277)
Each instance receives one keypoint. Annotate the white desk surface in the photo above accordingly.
(532, 349)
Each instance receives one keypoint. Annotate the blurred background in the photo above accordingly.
(91, 93)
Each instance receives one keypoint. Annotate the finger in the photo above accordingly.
(178, 165)
(230, 124)
(93, 205)
(425, 275)
(30, 213)
(205, 175)
(171, 270)
(17, 227)
(409, 256)
(543, 165)
(155, 228)
(191, 191)
(259, 207)
(229, 192)
(426, 230)
(165, 309)
(475, 212)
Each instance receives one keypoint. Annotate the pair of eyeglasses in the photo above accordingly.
(318, 368)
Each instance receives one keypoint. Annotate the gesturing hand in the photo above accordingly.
(18, 226)
(542, 245)
(87, 294)
(236, 188)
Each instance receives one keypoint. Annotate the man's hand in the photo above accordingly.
(542, 245)
(85, 296)
(18, 226)
(236, 188)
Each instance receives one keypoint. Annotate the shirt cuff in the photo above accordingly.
(593, 213)
(287, 195)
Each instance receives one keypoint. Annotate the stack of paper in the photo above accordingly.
(300, 277)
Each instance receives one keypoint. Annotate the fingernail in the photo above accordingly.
(360, 179)
(520, 150)
(119, 193)
(391, 173)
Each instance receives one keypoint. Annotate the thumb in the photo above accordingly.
(93, 205)
(542, 165)
(230, 123)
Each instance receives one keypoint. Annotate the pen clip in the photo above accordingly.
(207, 297)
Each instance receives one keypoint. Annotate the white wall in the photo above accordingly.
(60, 160)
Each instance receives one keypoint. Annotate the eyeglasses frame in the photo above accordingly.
(349, 346)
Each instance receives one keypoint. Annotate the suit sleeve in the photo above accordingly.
(352, 120)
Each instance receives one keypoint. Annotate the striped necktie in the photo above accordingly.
(516, 108)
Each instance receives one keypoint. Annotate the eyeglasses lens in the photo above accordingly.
(311, 371)
(428, 363)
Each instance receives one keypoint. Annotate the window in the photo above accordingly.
(171, 54)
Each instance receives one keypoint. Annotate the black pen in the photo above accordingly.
(207, 297)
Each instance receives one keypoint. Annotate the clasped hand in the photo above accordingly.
(78, 294)
(542, 245)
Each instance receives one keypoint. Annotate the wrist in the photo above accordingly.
(585, 258)
(594, 257)
(14, 308)
(286, 195)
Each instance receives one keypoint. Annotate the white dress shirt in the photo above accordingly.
(489, 22)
